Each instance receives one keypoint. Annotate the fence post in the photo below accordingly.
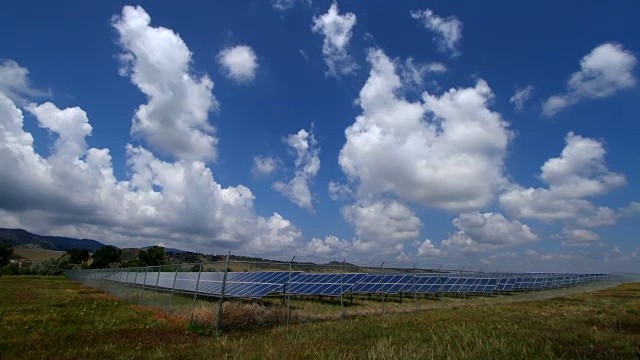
(382, 287)
(224, 283)
(441, 284)
(195, 294)
(415, 290)
(144, 282)
(289, 292)
(155, 291)
(341, 288)
(173, 287)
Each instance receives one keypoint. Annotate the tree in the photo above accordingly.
(152, 256)
(6, 251)
(105, 256)
(78, 256)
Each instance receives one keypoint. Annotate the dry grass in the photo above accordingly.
(38, 254)
(240, 316)
(52, 318)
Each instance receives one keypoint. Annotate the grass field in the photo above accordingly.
(53, 318)
(38, 254)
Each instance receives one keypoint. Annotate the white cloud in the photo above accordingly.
(264, 166)
(382, 223)
(275, 234)
(578, 238)
(175, 119)
(73, 191)
(448, 31)
(240, 63)
(15, 84)
(339, 191)
(427, 249)
(521, 96)
(337, 32)
(283, 5)
(307, 166)
(413, 73)
(71, 126)
(580, 172)
(445, 152)
(330, 246)
(481, 232)
(604, 71)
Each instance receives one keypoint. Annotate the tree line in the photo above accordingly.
(105, 257)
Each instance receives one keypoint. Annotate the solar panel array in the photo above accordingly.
(323, 284)
(238, 284)
(263, 283)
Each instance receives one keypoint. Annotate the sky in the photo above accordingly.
(501, 136)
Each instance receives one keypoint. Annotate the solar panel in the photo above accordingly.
(505, 284)
(426, 284)
(239, 284)
(453, 284)
(382, 283)
(484, 286)
(244, 284)
(323, 284)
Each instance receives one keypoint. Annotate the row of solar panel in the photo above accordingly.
(259, 284)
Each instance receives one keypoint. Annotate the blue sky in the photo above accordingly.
(491, 135)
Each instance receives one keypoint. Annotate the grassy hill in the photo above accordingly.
(25, 239)
(36, 255)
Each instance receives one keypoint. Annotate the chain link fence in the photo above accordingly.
(234, 294)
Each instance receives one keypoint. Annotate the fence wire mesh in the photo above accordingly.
(232, 294)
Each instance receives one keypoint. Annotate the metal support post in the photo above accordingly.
(382, 294)
(289, 292)
(144, 282)
(195, 294)
(155, 295)
(341, 288)
(224, 283)
(173, 287)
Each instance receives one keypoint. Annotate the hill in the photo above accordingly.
(38, 254)
(25, 239)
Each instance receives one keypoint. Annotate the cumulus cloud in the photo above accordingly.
(339, 191)
(15, 84)
(381, 224)
(330, 246)
(74, 192)
(264, 166)
(488, 231)
(275, 234)
(578, 238)
(604, 71)
(447, 31)
(444, 151)
(580, 172)
(337, 31)
(521, 97)
(414, 73)
(240, 63)
(427, 249)
(307, 164)
(175, 119)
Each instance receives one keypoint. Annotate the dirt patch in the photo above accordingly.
(150, 339)
(160, 314)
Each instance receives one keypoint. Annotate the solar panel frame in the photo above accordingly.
(323, 284)
(382, 283)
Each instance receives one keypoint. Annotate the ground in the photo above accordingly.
(54, 318)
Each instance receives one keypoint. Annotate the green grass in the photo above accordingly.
(53, 318)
